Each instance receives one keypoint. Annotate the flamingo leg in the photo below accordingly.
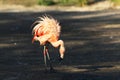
(50, 63)
(47, 56)
(45, 60)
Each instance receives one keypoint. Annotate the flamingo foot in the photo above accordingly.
(52, 70)
(60, 59)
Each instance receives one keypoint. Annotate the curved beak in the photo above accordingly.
(33, 39)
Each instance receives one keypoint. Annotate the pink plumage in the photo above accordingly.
(47, 25)
(48, 30)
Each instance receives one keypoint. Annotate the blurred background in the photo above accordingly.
(79, 3)
(69, 5)
(56, 2)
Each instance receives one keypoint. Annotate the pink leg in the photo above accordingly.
(62, 48)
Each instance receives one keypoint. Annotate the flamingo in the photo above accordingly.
(47, 30)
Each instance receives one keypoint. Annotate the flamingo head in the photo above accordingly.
(35, 38)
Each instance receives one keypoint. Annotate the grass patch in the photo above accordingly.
(72, 2)
(115, 2)
(46, 2)
(55, 2)
(20, 2)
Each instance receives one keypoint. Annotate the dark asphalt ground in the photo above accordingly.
(92, 41)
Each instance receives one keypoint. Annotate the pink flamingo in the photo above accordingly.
(47, 31)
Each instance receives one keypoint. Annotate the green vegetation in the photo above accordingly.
(82, 2)
(116, 2)
(72, 2)
(46, 2)
(55, 2)
(66, 2)
(19, 2)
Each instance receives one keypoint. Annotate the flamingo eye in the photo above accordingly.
(37, 35)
